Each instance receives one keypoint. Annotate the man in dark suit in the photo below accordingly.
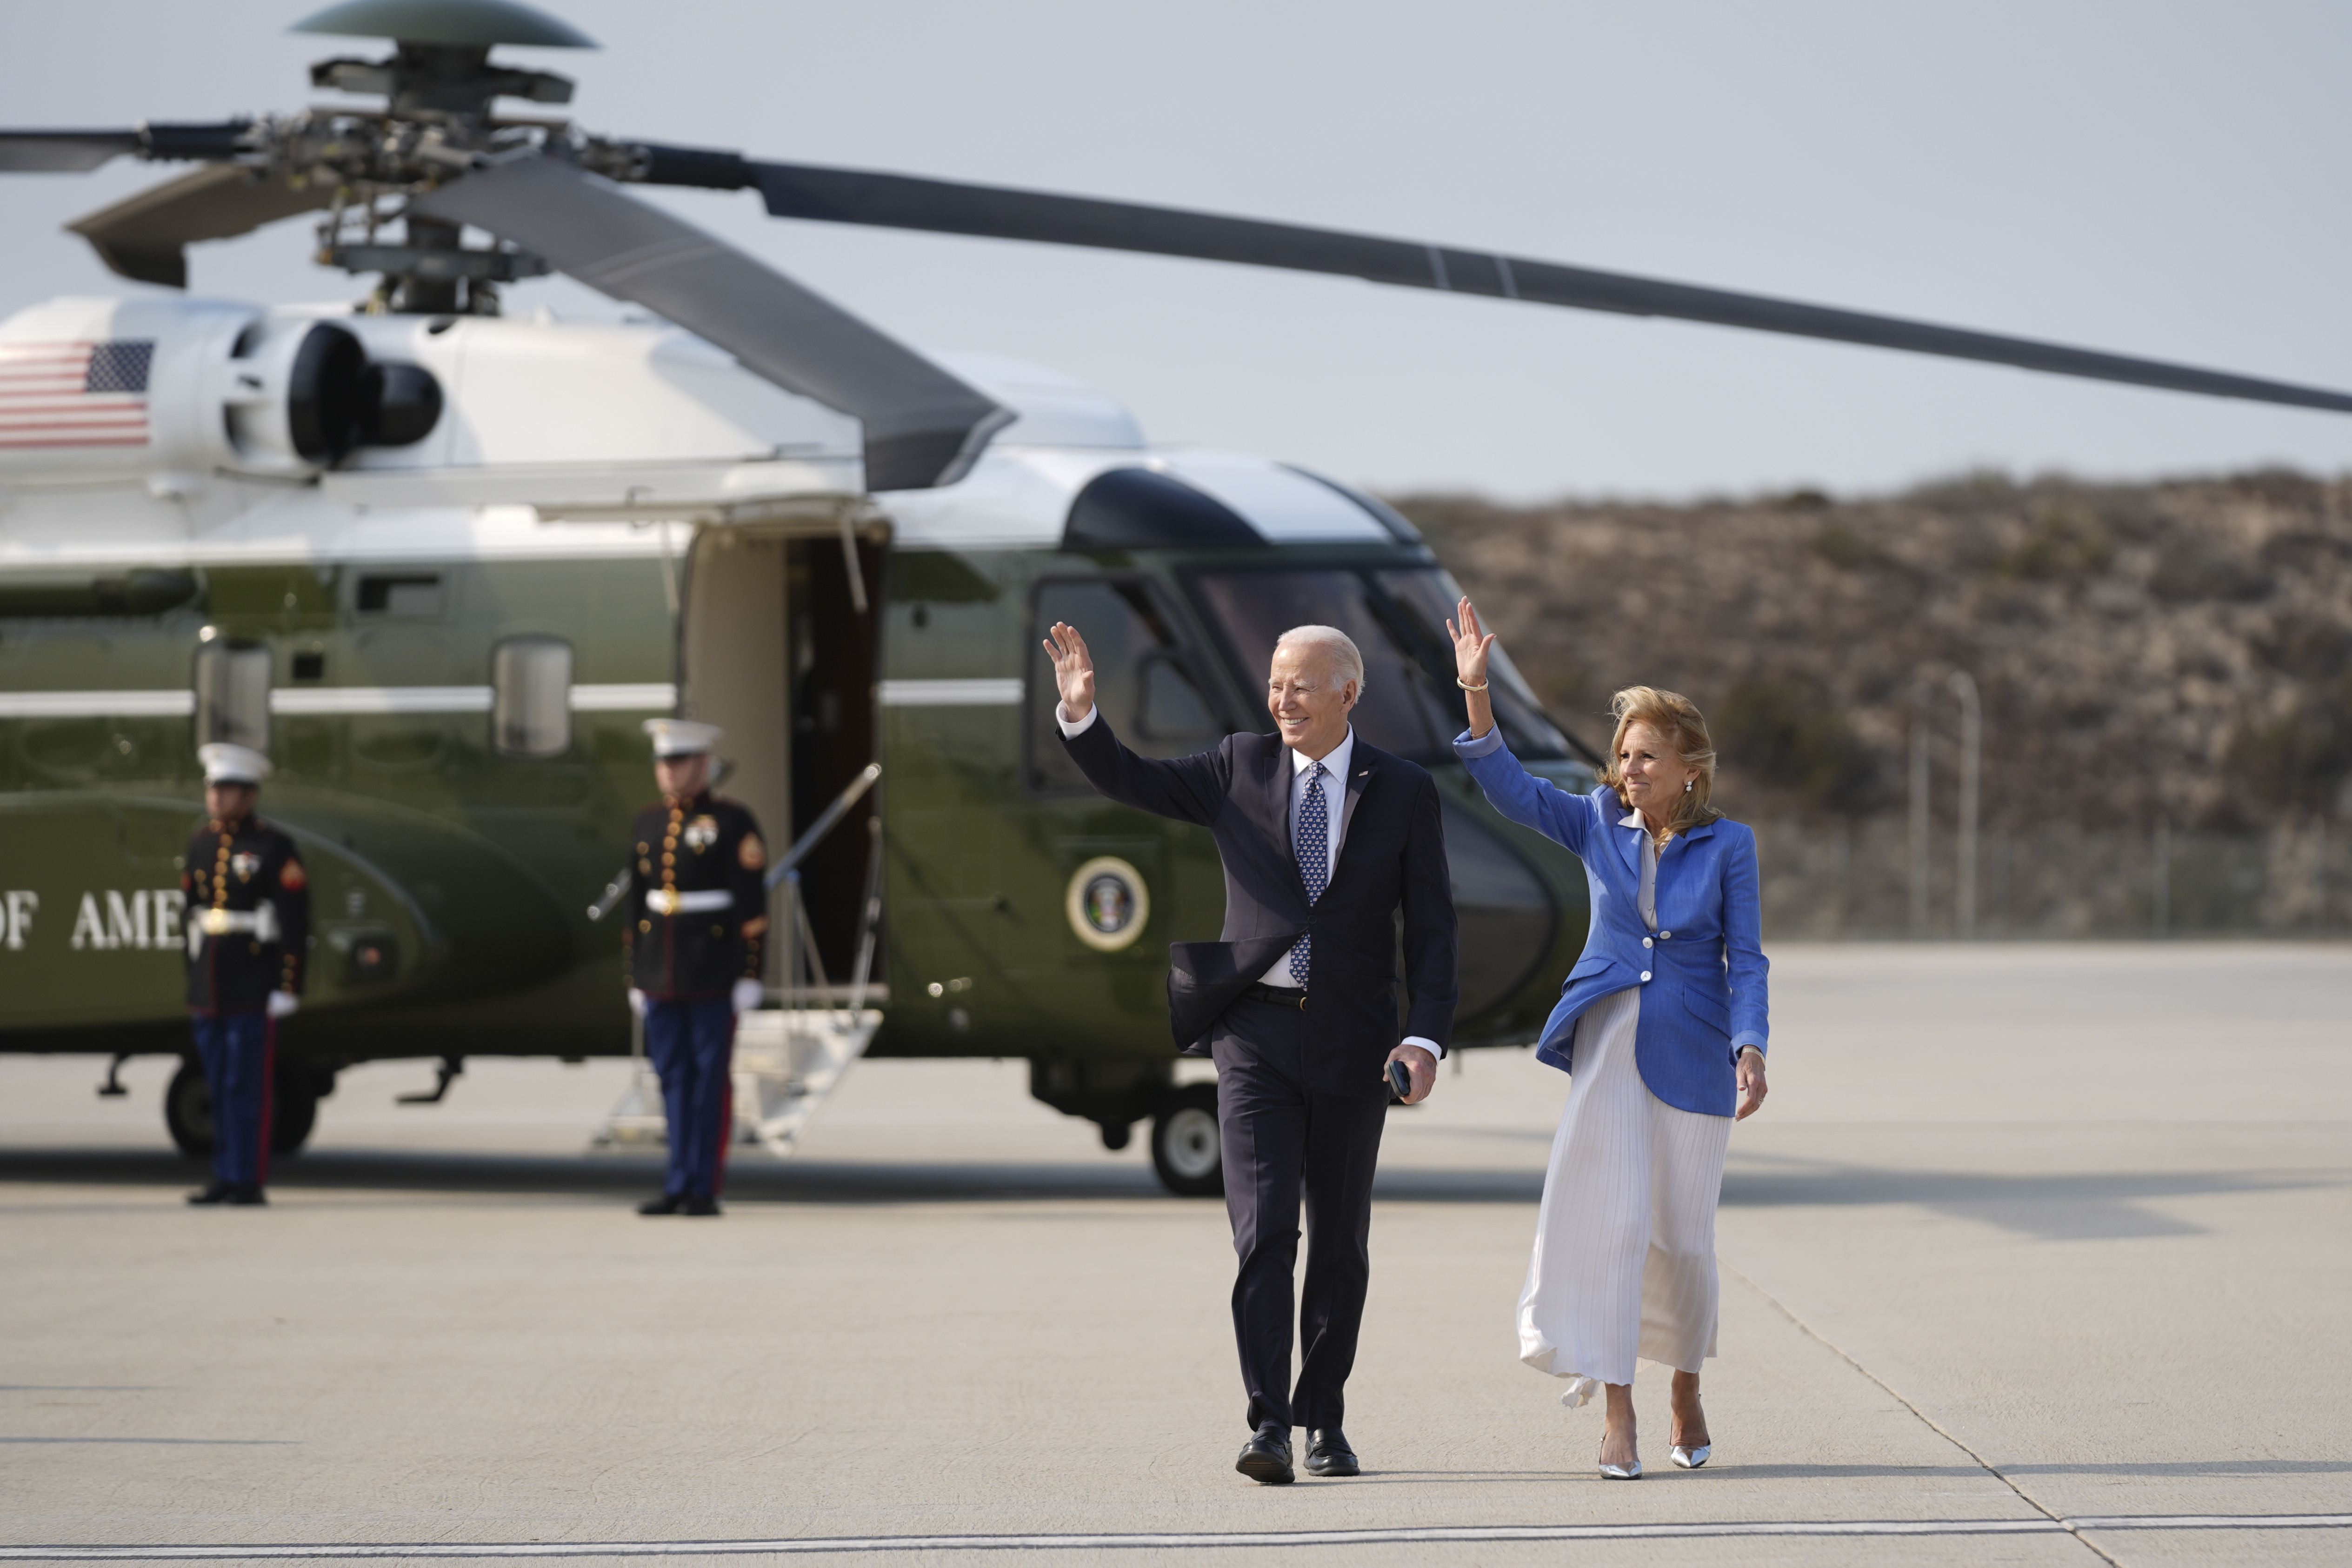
(1323, 838)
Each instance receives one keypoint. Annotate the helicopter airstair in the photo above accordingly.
(789, 1058)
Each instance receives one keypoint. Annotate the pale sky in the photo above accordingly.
(2158, 179)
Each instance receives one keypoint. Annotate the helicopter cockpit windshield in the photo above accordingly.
(1397, 618)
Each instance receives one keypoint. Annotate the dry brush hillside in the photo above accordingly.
(2178, 651)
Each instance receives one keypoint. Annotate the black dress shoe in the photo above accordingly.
(247, 1195)
(668, 1202)
(215, 1192)
(701, 1208)
(1328, 1453)
(1266, 1458)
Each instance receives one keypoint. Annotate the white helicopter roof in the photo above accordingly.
(1018, 497)
(1050, 408)
(553, 434)
(1065, 434)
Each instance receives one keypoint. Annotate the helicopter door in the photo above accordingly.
(779, 647)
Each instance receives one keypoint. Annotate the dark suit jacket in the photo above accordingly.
(1392, 857)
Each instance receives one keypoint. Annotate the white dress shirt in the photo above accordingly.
(1335, 804)
(1334, 811)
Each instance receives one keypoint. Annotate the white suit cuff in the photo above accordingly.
(1079, 727)
(1432, 1046)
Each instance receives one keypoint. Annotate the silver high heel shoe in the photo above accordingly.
(1632, 1472)
(1692, 1458)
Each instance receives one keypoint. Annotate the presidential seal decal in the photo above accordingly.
(1107, 904)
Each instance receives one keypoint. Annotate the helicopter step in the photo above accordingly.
(787, 1065)
(787, 1068)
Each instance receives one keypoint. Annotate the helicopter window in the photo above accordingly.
(1135, 509)
(416, 595)
(1400, 709)
(530, 697)
(1426, 600)
(1167, 705)
(1142, 682)
(1507, 917)
(232, 683)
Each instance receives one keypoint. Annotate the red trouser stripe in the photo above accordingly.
(726, 1114)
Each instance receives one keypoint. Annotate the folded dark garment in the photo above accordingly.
(1204, 978)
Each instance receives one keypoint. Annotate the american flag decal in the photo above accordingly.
(74, 393)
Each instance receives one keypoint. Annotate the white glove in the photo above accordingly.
(281, 1002)
(636, 1001)
(747, 994)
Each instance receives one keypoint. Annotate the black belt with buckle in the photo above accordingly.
(1280, 995)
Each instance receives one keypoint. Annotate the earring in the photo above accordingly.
(1686, 784)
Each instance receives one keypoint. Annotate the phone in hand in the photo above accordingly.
(1400, 1082)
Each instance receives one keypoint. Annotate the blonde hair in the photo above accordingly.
(1678, 723)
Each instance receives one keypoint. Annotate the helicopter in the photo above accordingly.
(440, 562)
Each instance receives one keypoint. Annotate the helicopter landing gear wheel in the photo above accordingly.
(293, 1109)
(188, 1110)
(1186, 1148)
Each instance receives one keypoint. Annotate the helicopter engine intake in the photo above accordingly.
(303, 394)
(176, 388)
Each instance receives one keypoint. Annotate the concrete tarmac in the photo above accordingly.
(2035, 1254)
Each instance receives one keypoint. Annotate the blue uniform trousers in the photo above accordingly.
(691, 1040)
(236, 1050)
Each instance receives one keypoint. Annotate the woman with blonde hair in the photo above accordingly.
(1662, 1029)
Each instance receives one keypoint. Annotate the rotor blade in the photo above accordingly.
(940, 206)
(62, 151)
(144, 235)
(79, 152)
(922, 425)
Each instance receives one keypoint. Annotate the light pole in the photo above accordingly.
(1964, 687)
(1921, 695)
(2163, 878)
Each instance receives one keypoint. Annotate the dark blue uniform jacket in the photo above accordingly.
(248, 916)
(698, 899)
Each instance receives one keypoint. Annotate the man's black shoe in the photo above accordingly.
(701, 1208)
(1266, 1458)
(668, 1202)
(215, 1192)
(245, 1196)
(1328, 1453)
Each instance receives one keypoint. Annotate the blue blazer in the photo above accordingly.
(1701, 978)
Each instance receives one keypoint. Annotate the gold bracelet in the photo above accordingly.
(1467, 687)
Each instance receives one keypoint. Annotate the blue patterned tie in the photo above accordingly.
(1314, 859)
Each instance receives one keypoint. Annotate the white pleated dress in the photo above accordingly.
(1624, 1267)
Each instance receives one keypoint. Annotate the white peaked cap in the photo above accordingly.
(682, 736)
(225, 763)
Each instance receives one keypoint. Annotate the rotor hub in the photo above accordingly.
(439, 85)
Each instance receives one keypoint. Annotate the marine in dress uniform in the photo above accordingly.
(248, 930)
(698, 911)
